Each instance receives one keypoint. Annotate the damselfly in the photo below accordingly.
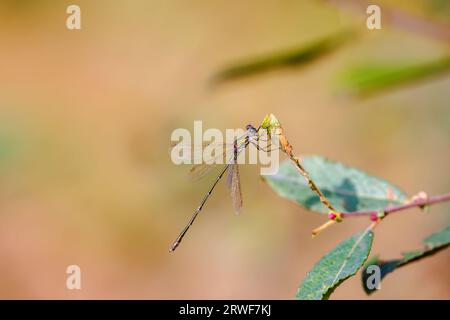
(251, 136)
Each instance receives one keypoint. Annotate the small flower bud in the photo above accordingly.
(336, 216)
(381, 215)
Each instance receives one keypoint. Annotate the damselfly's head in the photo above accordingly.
(251, 129)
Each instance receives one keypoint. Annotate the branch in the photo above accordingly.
(272, 125)
(421, 202)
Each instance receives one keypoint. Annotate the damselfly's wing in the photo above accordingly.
(198, 171)
(192, 153)
(230, 175)
(207, 152)
(234, 183)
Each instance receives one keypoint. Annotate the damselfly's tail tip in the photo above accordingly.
(173, 247)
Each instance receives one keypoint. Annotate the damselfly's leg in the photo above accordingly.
(265, 149)
(263, 140)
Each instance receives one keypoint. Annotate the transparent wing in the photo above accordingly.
(230, 175)
(234, 183)
(191, 153)
(207, 152)
(216, 154)
(198, 171)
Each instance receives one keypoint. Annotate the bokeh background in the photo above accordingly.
(85, 124)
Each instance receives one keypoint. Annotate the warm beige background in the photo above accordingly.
(85, 176)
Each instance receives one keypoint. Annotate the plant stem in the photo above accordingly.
(319, 229)
(288, 150)
(391, 209)
(272, 125)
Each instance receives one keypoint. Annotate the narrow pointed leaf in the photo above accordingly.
(368, 79)
(287, 58)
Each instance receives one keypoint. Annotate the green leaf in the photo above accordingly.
(433, 244)
(336, 266)
(373, 77)
(296, 56)
(348, 189)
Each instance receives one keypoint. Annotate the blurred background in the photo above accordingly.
(85, 123)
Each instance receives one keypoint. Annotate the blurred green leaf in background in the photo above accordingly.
(375, 77)
(304, 54)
